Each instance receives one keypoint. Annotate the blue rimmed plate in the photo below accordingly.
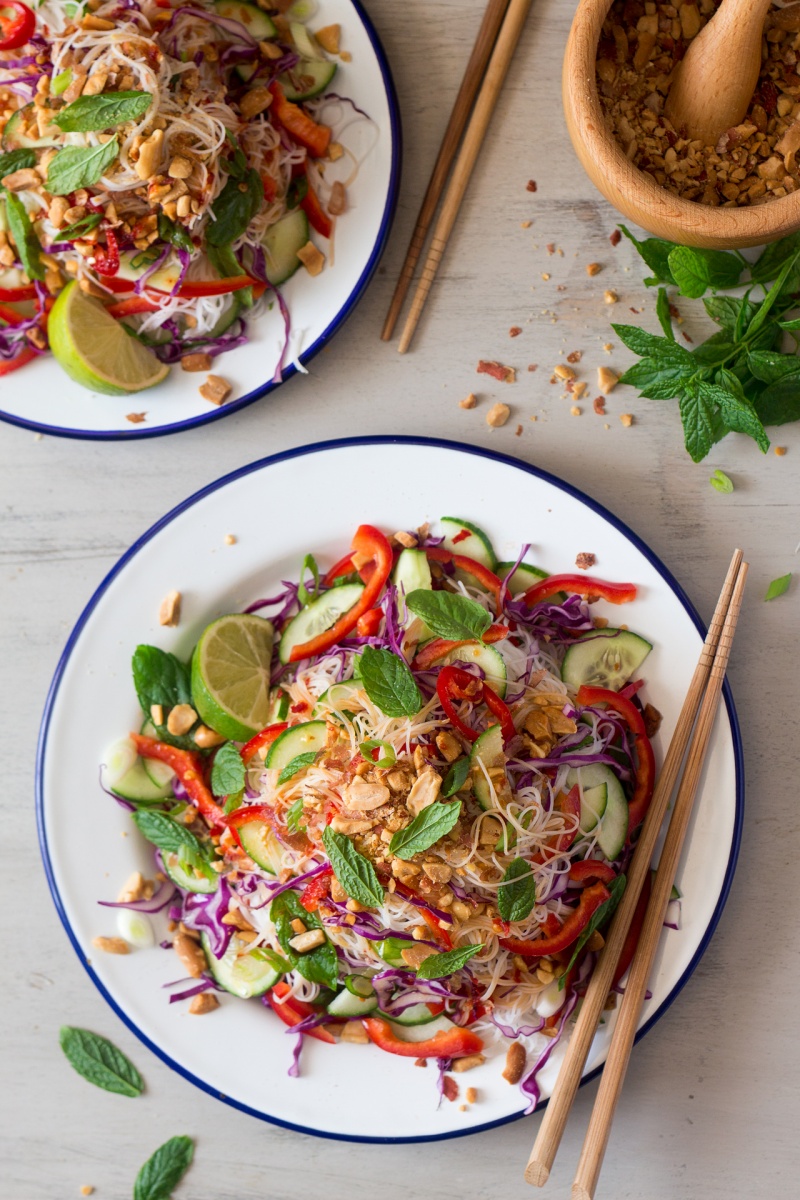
(346, 1091)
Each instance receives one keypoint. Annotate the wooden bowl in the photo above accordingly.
(635, 193)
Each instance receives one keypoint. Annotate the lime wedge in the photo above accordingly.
(95, 350)
(230, 675)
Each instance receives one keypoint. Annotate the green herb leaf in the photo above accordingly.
(320, 965)
(232, 802)
(297, 764)
(167, 834)
(93, 113)
(599, 917)
(663, 313)
(234, 209)
(174, 233)
(304, 595)
(774, 258)
(268, 955)
(657, 380)
(29, 247)
(695, 270)
(354, 872)
(780, 402)
(16, 160)
(228, 772)
(655, 253)
(80, 228)
(456, 777)
(224, 261)
(80, 166)
(791, 326)
(427, 827)
(387, 759)
(774, 293)
(778, 587)
(437, 966)
(162, 1173)
(449, 615)
(389, 683)
(730, 312)
(771, 365)
(161, 678)
(516, 895)
(293, 815)
(98, 1060)
(736, 411)
(698, 422)
(721, 482)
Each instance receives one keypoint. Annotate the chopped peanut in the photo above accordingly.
(607, 379)
(170, 611)
(181, 719)
(204, 1003)
(206, 738)
(354, 1031)
(594, 268)
(515, 1062)
(111, 945)
(215, 389)
(468, 1062)
(328, 38)
(196, 362)
(312, 258)
(307, 941)
(497, 415)
(254, 102)
(468, 402)
(626, 419)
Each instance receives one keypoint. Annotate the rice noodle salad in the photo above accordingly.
(174, 161)
(394, 802)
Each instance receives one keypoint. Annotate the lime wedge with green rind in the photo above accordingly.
(95, 350)
(230, 675)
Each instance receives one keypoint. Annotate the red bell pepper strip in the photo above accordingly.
(570, 930)
(370, 543)
(568, 803)
(188, 766)
(317, 217)
(292, 1012)
(581, 585)
(132, 307)
(343, 567)
(439, 648)
(265, 738)
(26, 291)
(436, 928)
(369, 622)
(645, 760)
(106, 258)
(447, 1043)
(453, 682)
(266, 813)
(316, 138)
(16, 30)
(316, 889)
(190, 290)
(11, 316)
(486, 578)
(8, 365)
(634, 930)
(590, 870)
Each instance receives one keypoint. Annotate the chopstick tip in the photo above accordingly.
(536, 1173)
(579, 1192)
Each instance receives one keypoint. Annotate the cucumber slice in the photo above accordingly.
(488, 750)
(13, 137)
(524, 577)
(137, 785)
(418, 1014)
(487, 658)
(318, 616)
(605, 658)
(260, 843)
(278, 706)
(348, 1005)
(240, 973)
(476, 545)
(300, 739)
(339, 697)
(281, 243)
(412, 572)
(306, 44)
(256, 22)
(134, 263)
(160, 773)
(391, 951)
(421, 1033)
(187, 880)
(614, 825)
(593, 806)
(308, 79)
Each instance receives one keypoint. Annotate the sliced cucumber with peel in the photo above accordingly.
(346, 1004)
(391, 951)
(605, 658)
(308, 79)
(614, 822)
(487, 750)
(281, 243)
(487, 658)
(241, 972)
(300, 739)
(160, 772)
(187, 880)
(417, 1014)
(126, 776)
(475, 545)
(14, 139)
(278, 706)
(412, 572)
(318, 616)
(593, 806)
(256, 22)
(260, 844)
(338, 696)
(524, 577)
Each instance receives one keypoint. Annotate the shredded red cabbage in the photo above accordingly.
(204, 912)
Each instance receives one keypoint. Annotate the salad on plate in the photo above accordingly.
(164, 168)
(397, 809)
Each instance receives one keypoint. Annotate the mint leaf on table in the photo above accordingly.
(80, 166)
(732, 313)
(456, 777)
(354, 872)
(773, 258)
(778, 587)
(449, 615)
(664, 314)
(164, 1170)
(665, 368)
(516, 895)
(695, 271)
(438, 966)
(297, 764)
(737, 412)
(29, 248)
(655, 253)
(599, 917)
(780, 402)
(98, 1060)
(427, 827)
(389, 683)
(771, 365)
(93, 113)
(698, 424)
(320, 965)
(228, 772)
(170, 836)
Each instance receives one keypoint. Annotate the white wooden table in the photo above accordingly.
(710, 1105)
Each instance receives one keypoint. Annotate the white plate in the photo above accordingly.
(42, 397)
(345, 1091)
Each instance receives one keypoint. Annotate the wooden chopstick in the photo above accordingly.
(558, 1107)
(467, 157)
(613, 1076)
(476, 67)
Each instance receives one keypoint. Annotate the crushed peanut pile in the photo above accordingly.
(641, 44)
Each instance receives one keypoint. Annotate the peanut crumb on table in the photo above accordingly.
(594, 268)
(575, 411)
(497, 415)
(780, 451)
(626, 419)
(530, 186)
(610, 296)
(469, 401)
(518, 431)
(230, 539)
(607, 379)
(87, 1189)
(525, 224)
(515, 331)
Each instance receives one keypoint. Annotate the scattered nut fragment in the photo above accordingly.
(563, 372)
(405, 539)
(518, 431)
(626, 419)
(133, 889)
(594, 268)
(497, 415)
(254, 101)
(337, 202)
(204, 1003)
(196, 362)
(525, 224)
(497, 370)
(449, 1088)
(157, 714)
(607, 379)
(515, 1062)
(354, 1031)
(610, 296)
(87, 1189)
(414, 956)
(206, 738)
(170, 611)
(335, 151)
(307, 941)
(135, 418)
(578, 389)
(515, 331)
(574, 356)
(575, 411)
(312, 258)
(652, 720)
(111, 945)
(230, 539)
(191, 955)
(615, 238)
(599, 405)
(181, 719)
(468, 1062)
(469, 401)
(780, 451)
(585, 559)
(215, 389)
(328, 38)
(346, 56)
(471, 1095)
(530, 186)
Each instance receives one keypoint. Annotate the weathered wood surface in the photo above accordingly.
(711, 1096)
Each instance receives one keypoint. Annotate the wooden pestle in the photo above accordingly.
(715, 81)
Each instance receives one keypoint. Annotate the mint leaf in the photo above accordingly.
(721, 482)
(643, 343)
(663, 313)
(227, 773)
(162, 679)
(320, 965)
(655, 253)
(730, 312)
(448, 615)
(168, 835)
(658, 380)
(774, 258)
(714, 350)
(780, 402)
(774, 294)
(297, 764)
(456, 777)
(80, 166)
(791, 326)
(234, 208)
(437, 966)
(98, 1060)
(16, 160)
(736, 411)
(599, 917)
(164, 1170)
(92, 113)
(80, 227)
(354, 872)
(695, 270)
(771, 365)
(516, 895)
(29, 247)
(427, 827)
(389, 683)
(778, 587)
(698, 427)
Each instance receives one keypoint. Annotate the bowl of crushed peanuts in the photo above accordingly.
(619, 64)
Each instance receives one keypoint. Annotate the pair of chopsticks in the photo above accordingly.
(697, 714)
(489, 62)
